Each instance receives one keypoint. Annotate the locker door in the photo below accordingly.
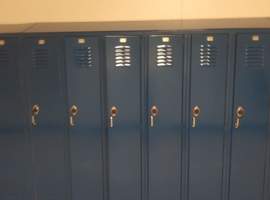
(14, 144)
(207, 115)
(124, 113)
(251, 113)
(164, 111)
(83, 83)
(46, 117)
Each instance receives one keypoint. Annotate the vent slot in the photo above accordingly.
(164, 55)
(4, 57)
(122, 56)
(40, 58)
(208, 55)
(83, 56)
(254, 56)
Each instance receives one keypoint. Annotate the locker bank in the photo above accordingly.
(159, 110)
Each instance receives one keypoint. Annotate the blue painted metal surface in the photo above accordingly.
(165, 77)
(42, 61)
(84, 91)
(248, 162)
(15, 154)
(208, 92)
(130, 159)
(124, 138)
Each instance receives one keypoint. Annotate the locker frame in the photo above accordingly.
(229, 101)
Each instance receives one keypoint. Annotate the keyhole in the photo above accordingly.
(154, 111)
(35, 110)
(74, 110)
(240, 112)
(196, 111)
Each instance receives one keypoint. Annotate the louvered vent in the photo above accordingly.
(40, 57)
(164, 55)
(254, 56)
(122, 56)
(83, 56)
(4, 58)
(208, 55)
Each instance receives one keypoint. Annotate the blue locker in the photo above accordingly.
(251, 117)
(15, 174)
(85, 123)
(165, 71)
(123, 65)
(44, 73)
(207, 115)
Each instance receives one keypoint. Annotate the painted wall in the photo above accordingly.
(21, 11)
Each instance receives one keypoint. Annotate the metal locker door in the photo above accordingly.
(165, 116)
(47, 121)
(84, 104)
(124, 113)
(251, 115)
(207, 115)
(15, 155)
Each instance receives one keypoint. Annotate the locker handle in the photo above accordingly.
(153, 114)
(114, 112)
(35, 112)
(195, 115)
(240, 113)
(73, 111)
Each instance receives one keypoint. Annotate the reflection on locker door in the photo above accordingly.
(46, 117)
(207, 115)
(84, 108)
(164, 112)
(251, 115)
(124, 117)
(15, 177)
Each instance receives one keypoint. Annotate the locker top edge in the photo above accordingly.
(14, 28)
(153, 25)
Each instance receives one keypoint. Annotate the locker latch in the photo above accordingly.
(35, 112)
(153, 114)
(195, 115)
(240, 112)
(114, 112)
(73, 111)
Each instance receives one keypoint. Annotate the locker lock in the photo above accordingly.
(195, 115)
(154, 111)
(113, 113)
(35, 112)
(73, 111)
(153, 114)
(240, 113)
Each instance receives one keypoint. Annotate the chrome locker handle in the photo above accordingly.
(35, 112)
(113, 114)
(151, 121)
(153, 114)
(195, 115)
(111, 121)
(239, 114)
(73, 111)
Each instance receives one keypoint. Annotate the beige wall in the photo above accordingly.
(21, 11)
